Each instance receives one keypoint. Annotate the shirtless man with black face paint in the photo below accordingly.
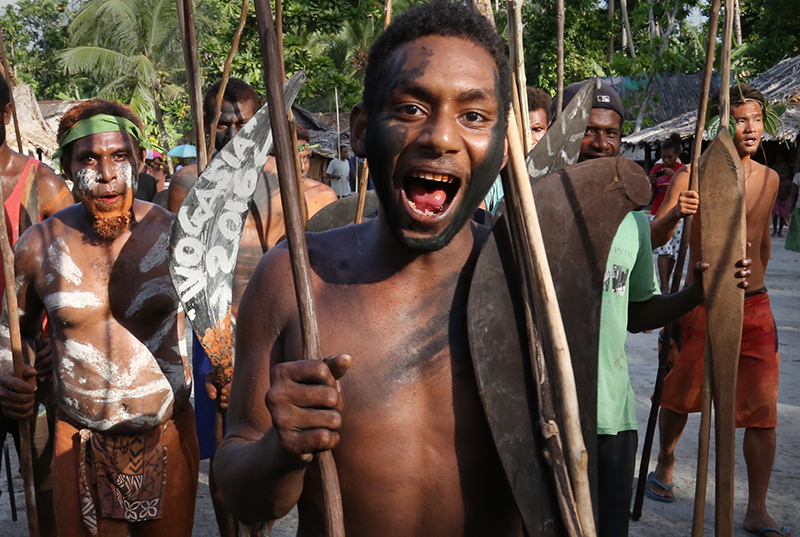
(412, 445)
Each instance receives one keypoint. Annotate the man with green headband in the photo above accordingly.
(125, 451)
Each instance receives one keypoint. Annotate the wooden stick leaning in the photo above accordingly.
(192, 63)
(226, 73)
(553, 446)
(298, 249)
(549, 314)
(7, 74)
(518, 65)
(363, 183)
(560, 56)
(387, 14)
(677, 277)
(26, 446)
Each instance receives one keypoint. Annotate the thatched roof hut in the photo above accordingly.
(38, 139)
(780, 83)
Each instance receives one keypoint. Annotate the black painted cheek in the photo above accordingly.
(222, 138)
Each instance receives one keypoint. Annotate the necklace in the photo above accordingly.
(748, 171)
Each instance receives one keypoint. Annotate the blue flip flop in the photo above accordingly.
(656, 497)
(764, 531)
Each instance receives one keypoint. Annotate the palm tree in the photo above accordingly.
(134, 48)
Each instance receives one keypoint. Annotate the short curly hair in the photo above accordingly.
(443, 18)
(237, 90)
(540, 100)
(91, 108)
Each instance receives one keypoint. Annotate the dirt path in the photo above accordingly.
(658, 520)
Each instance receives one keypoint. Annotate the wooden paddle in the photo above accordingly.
(663, 356)
(26, 446)
(298, 250)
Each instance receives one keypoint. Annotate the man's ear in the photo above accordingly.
(505, 153)
(7, 114)
(358, 130)
(142, 154)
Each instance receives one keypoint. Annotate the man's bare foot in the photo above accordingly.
(663, 473)
(763, 525)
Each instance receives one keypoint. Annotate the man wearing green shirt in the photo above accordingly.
(631, 303)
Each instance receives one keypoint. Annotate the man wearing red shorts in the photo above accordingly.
(757, 389)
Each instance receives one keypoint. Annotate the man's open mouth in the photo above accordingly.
(430, 194)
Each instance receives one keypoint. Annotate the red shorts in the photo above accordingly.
(757, 380)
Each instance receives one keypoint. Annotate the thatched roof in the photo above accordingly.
(321, 132)
(676, 93)
(780, 83)
(34, 131)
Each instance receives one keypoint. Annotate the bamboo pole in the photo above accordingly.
(192, 62)
(279, 31)
(226, 72)
(518, 64)
(26, 446)
(298, 250)
(387, 14)
(677, 277)
(11, 84)
(363, 183)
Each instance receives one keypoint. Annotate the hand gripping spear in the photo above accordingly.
(26, 455)
(663, 355)
(298, 250)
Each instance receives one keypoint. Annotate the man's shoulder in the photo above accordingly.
(185, 177)
(153, 215)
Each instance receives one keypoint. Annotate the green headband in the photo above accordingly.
(98, 124)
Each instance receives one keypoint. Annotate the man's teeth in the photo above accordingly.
(426, 212)
(435, 177)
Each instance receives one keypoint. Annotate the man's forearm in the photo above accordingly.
(661, 229)
(662, 309)
(259, 481)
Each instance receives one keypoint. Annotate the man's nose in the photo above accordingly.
(440, 134)
(108, 171)
(601, 141)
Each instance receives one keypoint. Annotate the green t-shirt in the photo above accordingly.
(630, 277)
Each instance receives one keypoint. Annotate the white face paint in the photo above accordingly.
(127, 175)
(86, 179)
(73, 299)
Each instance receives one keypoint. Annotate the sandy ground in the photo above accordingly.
(783, 281)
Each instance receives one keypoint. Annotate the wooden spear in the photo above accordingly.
(295, 237)
(560, 59)
(226, 73)
(697, 146)
(518, 64)
(537, 273)
(192, 62)
(26, 447)
(10, 81)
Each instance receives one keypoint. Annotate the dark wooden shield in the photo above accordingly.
(342, 212)
(580, 209)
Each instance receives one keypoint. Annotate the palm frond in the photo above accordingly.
(97, 60)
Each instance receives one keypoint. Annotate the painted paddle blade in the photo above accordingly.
(723, 239)
(561, 145)
(580, 209)
(204, 242)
